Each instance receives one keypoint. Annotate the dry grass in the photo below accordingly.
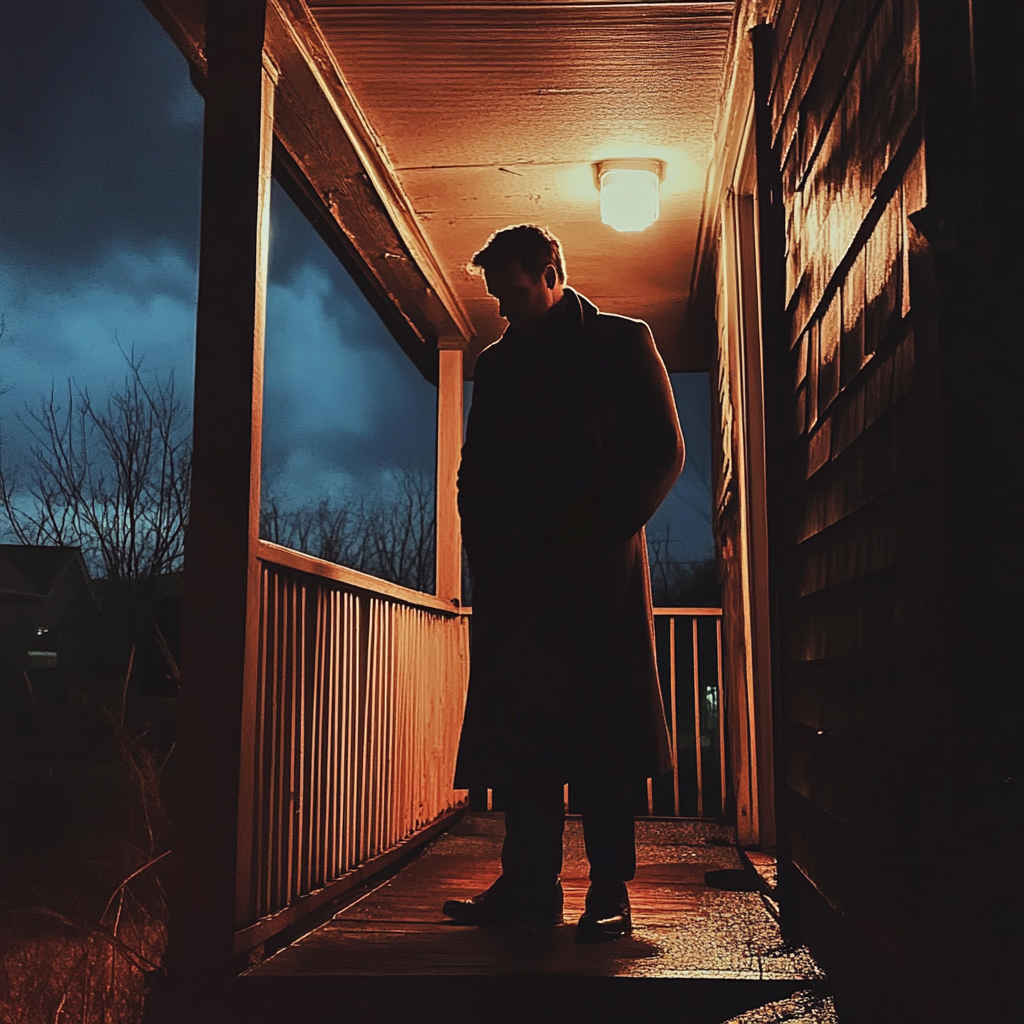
(83, 918)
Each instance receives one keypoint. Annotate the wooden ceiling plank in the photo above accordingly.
(491, 116)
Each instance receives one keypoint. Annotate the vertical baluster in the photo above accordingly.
(359, 668)
(378, 754)
(397, 624)
(327, 737)
(352, 633)
(345, 684)
(371, 762)
(388, 731)
(294, 689)
(264, 726)
(281, 823)
(284, 753)
(277, 784)
(281, 803)
(696, 724)
(307, 763)
(327, 768)
(359, 774)
(302, 754)
(316, 835)
(675, 720)
(391, 727)
(334, 793)
(396, 827)
(387, 680)
(406, 821)
(362, 773)
(323, 732)
(409, 821)
(721, 714)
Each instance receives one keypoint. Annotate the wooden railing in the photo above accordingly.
(689, 644)
(359, 696)
(691, 684)
(354, 725)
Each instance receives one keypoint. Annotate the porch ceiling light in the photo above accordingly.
(629, 192)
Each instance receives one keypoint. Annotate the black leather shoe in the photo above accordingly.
(506, 903)
(607, 915)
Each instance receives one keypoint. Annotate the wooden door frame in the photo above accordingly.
(752, 715)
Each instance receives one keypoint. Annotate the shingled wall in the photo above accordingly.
(882, 746)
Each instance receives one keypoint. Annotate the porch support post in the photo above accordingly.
(449, 448)
(220, 606)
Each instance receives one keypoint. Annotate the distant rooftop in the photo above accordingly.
(31, 570)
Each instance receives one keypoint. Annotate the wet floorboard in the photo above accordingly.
(394, 943)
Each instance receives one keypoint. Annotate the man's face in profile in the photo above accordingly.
(522, 298)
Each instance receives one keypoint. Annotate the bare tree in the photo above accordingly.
(700, 472)
(678, 583)
(111, 479)
(399, 531)
(389, 535)
(325, 528)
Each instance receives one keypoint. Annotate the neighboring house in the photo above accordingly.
(42, 590)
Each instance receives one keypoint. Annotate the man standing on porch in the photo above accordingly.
(572, 443)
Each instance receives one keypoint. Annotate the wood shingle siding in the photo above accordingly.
(862, 115)
(855, 646)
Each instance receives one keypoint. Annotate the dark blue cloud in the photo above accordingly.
(102, 135)
(341, 400)
(686, 512)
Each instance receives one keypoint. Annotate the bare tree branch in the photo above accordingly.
(389, 535)
(112, 479)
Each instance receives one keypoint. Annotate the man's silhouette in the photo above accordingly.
(572, 443)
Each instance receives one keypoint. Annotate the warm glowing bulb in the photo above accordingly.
(629, 195)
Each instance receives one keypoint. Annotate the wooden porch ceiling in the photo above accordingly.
(423, 127)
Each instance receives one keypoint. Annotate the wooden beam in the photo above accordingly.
(221, 582)
(299, 561)
(448, 584)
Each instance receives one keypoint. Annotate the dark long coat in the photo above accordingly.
(572, 443)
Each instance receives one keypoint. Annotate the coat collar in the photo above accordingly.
(575, 312)
(584, 311)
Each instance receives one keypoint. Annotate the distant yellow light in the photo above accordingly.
(629, 193)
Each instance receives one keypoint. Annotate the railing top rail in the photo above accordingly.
(287, 558)
(687, 613)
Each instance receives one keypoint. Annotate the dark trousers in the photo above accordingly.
(535, 816)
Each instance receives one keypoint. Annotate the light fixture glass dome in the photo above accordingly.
(629, 193)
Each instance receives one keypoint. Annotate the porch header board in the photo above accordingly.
(325, 158)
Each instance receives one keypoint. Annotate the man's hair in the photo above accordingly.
(533, 246)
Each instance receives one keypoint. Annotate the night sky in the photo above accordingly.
(100, 150)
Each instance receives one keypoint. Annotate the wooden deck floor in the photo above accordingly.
(707, 952)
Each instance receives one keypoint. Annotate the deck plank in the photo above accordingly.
(682, 928)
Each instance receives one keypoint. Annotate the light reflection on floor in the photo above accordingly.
(682, 928)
